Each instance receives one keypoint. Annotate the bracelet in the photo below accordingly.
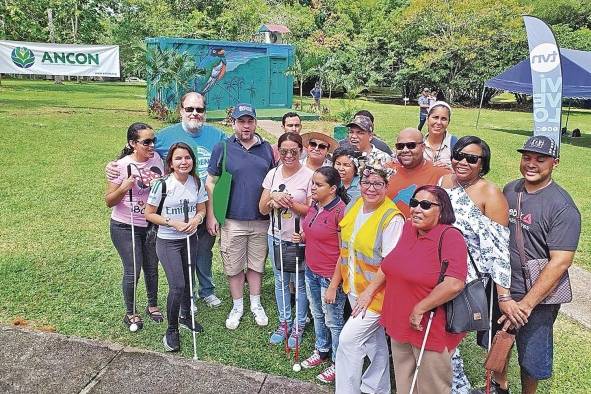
(505, 298)
(201, 217)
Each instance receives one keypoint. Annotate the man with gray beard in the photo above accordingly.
(201, 137)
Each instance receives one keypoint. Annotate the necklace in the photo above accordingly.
(466, 185)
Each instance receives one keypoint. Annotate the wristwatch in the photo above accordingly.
(167, 222)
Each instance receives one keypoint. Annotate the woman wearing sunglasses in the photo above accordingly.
(369, 231)
(439, 143)
(414, 287)
(138, 155)
(286, 194)
(319, 147)
(344, 160)
(481, 212)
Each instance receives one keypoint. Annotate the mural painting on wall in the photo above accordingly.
(225, 75)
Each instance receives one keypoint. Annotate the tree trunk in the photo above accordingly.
(302, 92)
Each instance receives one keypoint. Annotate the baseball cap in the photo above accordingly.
(243, 109)
(540, 144)
(363, 122)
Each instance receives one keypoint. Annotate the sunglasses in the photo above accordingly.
(376, 185)
(314, 144)
(409, 145)
(147, 141)
(425, 204)
(199, 110)
(470, 158)
(293, 152)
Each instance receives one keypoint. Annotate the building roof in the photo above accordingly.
(274, 28)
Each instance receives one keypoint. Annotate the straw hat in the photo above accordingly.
(314, 135)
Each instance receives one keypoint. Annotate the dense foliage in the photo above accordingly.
(452, 45)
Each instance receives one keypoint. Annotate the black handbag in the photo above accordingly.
(468, 311)
(289, 253)
(288, 250)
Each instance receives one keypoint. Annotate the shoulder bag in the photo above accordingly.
(532, 269)
(468, 311)
(221, 191)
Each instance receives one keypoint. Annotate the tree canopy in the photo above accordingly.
(452, 45)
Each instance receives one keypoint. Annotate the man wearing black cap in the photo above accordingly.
(243, 236)
(545, 225)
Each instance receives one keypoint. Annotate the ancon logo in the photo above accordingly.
(70, 58)
(545, 57)
(22, 57)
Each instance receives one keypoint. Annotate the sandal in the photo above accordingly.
(134, 319)
(156, 316)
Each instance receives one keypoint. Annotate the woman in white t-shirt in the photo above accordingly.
(138, 157)
(183, 188)
(286, 194)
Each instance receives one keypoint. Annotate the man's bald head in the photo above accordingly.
(409, 148)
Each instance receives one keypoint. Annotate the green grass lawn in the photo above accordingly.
(59, 270)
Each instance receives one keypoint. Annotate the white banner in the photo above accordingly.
(37, 58)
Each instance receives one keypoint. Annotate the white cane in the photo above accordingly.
(186, 212)
(133, 327)
(414, 378)
(444, 265)
(278, 211)
(296, 365)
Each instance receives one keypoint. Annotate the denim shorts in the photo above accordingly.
(535, 342)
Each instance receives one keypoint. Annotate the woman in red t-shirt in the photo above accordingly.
(411, 273)
(321, 234)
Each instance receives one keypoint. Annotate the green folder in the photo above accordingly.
(221, 192)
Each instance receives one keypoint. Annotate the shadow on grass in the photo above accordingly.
(584, 141)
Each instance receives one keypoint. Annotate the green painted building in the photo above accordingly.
(227, 72)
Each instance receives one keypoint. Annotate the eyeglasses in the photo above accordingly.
(409, 145)
(293, 152)
(319, 145)
(470, 158)
(376, 185)
(147, 141)
(425, 204)
(199, 110)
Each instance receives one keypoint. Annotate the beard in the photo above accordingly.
(192, 125)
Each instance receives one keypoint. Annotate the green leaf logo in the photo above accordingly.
(23, 57)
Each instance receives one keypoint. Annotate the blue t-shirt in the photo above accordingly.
(202, 143)
(248, 168)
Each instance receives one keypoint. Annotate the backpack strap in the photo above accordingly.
(452, 143)
(163, 197)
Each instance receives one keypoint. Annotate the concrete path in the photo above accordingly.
(271, 126)
(38, 362)
(580, 308)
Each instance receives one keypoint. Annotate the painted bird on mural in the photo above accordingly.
(214, 65)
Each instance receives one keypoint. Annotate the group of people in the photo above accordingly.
(373, 224)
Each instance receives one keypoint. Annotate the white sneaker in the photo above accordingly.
(212, 301)
(260, 317)
(233, 319)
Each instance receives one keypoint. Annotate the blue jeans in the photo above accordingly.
(284, 305)
(328, 318)
(535, 342)
(205, 243)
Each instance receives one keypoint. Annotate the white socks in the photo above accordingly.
(238, 304)
(255, 301)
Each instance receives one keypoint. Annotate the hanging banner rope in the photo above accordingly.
(36, 58)
(546, 75)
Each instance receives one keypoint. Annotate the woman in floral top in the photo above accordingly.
(482, 214)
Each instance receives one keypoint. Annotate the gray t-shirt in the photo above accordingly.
(550, 221)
